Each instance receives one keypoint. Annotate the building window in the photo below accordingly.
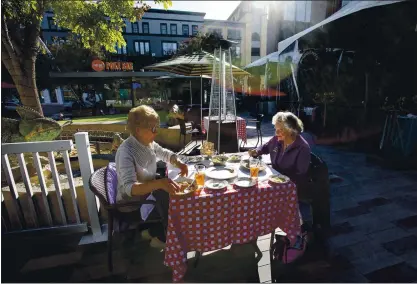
(299, 11)
(173, 28)
(145, 28)
(256, 37)
(51, 23)
(233, 34)
(58, 40)
(142, 47)
(163, 29)
(195, 30)
(135, 28)
(185, 30)
(237, 51)
(256, 51)
(53, 96)
(121, 50)
(169, 48)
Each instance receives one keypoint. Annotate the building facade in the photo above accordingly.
(233, 31)
(268, 24)
(158, 34)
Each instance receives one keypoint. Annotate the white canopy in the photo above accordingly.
(350, 8)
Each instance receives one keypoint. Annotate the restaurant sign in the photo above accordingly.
(99, 66)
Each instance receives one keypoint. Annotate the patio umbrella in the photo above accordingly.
(197, 64)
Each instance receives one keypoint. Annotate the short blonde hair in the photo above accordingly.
(290, 121)
(141, 116)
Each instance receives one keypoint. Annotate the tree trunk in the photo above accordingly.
(26, 86)
(24, 78)
(19, 57)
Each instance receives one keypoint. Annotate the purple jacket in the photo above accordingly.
(293, 162)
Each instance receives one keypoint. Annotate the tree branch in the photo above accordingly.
(9, 58)
(5, 38)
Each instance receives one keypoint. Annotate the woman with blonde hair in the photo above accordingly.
(289, 151)
(136, 169)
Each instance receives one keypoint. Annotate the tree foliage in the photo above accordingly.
(207, 42)
(96, 24)
(202, 41)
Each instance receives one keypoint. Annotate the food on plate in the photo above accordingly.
(207, 148)
(234, 159)
(186, 187)
(195, 159)
(219, 160)
(278, 179)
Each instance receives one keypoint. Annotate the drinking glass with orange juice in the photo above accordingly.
(200, 175)
(254, 166)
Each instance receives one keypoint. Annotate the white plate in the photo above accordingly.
(216, 184)
(195, 159)
(239, 158)
(206, 163)
(221, 172)
(245, 182)
(285, 178)
(185, 179)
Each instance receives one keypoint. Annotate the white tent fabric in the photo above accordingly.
(350, 8)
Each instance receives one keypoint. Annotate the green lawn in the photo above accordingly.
(115, 117)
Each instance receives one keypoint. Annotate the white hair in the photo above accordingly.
(290, 121)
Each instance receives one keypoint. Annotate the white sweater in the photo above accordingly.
(136, 163)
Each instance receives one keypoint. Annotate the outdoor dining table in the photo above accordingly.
(211, 221)
(241, 126)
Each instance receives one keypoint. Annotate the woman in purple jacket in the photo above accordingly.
(290, 153)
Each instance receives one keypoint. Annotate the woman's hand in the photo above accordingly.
(168, 185)
(252, 153)
(183, 168)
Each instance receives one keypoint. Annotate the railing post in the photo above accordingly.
(86, 166)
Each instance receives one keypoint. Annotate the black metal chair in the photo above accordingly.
(183, 130)
(107, 197)
(317, 192)
(257, 127)
(196, 135)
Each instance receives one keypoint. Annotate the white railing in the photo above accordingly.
(38, 214)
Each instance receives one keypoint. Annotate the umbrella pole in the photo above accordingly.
(222, 82)
(201, 97)
(191, 95)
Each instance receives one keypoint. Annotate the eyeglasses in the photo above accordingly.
(154, 129)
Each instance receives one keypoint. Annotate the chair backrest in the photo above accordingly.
(318, 170)
(183, 128)
(259, 119)
(98, 185)
(103, 184)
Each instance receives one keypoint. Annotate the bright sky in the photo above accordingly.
(216, 10)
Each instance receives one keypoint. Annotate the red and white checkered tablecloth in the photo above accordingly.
(241, 127)
(213, 221)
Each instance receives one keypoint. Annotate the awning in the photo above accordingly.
(175, 76)
(350, 8)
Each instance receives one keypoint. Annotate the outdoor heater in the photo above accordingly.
(222, 111)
